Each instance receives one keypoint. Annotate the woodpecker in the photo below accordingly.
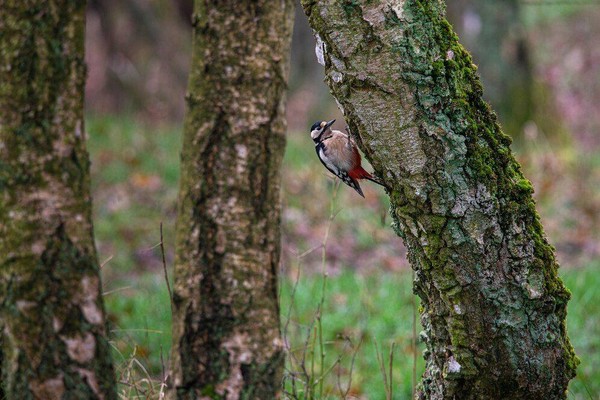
(339, 154)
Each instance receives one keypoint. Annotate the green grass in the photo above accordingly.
(357, 311)
(135, 172)
(378, 306)
(583, 324)
(535, 12)
(139, 315)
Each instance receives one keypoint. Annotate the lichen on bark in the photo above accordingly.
(226, 317)
(53, 335)
(494, 308)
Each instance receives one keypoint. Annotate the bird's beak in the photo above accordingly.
(328, 125)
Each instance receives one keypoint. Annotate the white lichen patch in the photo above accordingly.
(241, 150)
(457, 309)
(203, 131)
(88, 293)
(89, 288)
(38, 247)
(195, 233)
(92, 312)
(534, 286)
(336, 76)
(453, 365)
(12, 214)
(90, 377)
(320, 49)
(238, 347)
(57, 324)
(533, 292)
(242, 158)
(412, 227)
(277, 343)
(81, 348)
(398, 10)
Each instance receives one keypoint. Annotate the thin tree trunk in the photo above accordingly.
(226, 320)
(53, 332)
(493, 306)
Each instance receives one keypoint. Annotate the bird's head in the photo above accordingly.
(319, 128)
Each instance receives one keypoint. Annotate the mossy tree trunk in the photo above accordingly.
(493, 33)
(493, 306)
(226, 318)
(53, 332)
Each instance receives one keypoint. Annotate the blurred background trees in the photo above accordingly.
(538, 63)
(494, 33)
(138, 54)
(135, 140)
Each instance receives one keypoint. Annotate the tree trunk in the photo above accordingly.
(492, 32)
(493, 306)
(226, 319)
(53, 332)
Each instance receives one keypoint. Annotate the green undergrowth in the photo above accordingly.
(135, 173)
(547, 11)
(583, 324)
(361, 313)
(134, 177)
(139, 315)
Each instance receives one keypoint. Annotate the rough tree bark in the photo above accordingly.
(493, 33)
(226, 319)
(493, 306)
(52, 333)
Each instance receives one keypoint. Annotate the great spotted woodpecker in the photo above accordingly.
(339, 154)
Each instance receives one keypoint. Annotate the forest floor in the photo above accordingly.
(366, 304)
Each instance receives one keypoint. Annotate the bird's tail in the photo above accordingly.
(360, 173)
(376, 180)
(355, 185)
